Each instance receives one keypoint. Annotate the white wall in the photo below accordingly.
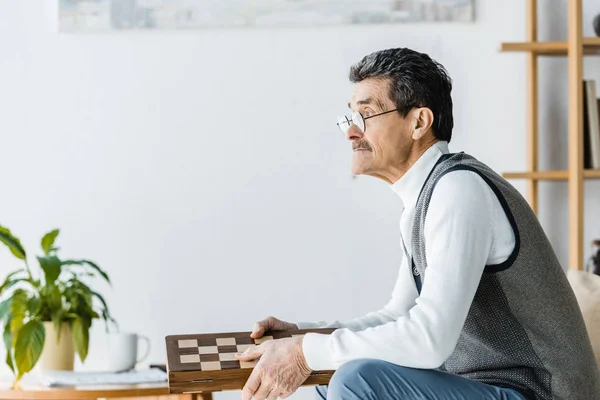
(204, 172)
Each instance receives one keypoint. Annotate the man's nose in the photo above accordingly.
(354, 133)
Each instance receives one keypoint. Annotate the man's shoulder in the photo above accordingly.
(461, 161)
(461, 185)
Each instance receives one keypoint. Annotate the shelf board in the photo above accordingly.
(551, 175)
(591, 45)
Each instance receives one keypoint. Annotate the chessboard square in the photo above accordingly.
(187, 350)
(209, 357)
(208, 350)
(263, 339)
(227, 357)
(248, 364)
(228, 349)
(226, 341)
(246, 339)
(206, 340)
(230, 364)
(186, 343)
(243, 347)
(189, 358)
(210, 366)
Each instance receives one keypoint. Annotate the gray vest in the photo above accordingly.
(524, 329)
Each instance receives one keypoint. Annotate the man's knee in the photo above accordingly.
(353, 380)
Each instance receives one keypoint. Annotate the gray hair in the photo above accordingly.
(415, 81)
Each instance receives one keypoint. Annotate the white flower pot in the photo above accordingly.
(57, 356)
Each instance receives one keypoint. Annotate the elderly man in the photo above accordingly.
(481, 309)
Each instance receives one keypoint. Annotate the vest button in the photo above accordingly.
(416, 271)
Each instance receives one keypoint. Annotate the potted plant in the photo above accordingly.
(48, 313)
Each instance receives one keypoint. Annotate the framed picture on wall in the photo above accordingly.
(120, 15)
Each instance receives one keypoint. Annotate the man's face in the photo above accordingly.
(386, 142)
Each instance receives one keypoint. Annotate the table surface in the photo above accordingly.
(31, 390)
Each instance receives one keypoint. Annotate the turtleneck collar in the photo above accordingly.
(409, 185)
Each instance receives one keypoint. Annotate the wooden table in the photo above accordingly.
(34, 391)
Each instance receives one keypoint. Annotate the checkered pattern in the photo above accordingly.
(206, 362)
(214, 354)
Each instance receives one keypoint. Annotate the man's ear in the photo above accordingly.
(422, 120)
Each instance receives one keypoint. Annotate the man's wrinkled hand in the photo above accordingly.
(280, 371)
(270, 323)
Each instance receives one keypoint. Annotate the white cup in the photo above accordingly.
(123, 350)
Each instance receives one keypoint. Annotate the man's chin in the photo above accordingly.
(358, 169)
(361, 163)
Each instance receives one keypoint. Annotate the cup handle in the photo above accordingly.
(145, 339)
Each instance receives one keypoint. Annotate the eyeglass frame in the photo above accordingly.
(351, 120)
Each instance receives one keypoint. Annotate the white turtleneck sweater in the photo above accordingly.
(465, 230)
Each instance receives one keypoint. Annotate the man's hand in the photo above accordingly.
(270, 323)
(280, 371)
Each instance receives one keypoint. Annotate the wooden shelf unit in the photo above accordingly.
(591, 46)
(574, 49)
(551, 175)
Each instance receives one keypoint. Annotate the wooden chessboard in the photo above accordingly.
(206, 362)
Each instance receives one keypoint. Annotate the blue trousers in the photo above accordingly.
(369, 379)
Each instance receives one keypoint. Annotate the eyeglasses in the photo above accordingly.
(357, 119)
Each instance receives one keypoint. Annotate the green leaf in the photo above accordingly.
(12, 243)
(4, 307)
(30, 343)
(80, 297)
(33, 305)
(84, 305)
(48, 241)
(81, 337)
(18, 310)
(90, 264)
(57, 319)
(51, 302)
(51, 266)
(14, 282)
(54, 298)
(8, 282)
(105, 313)
(99, 297)
(8, 344)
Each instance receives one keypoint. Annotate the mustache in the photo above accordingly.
(361, 144)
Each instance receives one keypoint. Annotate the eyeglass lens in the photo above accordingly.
(356, 119)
